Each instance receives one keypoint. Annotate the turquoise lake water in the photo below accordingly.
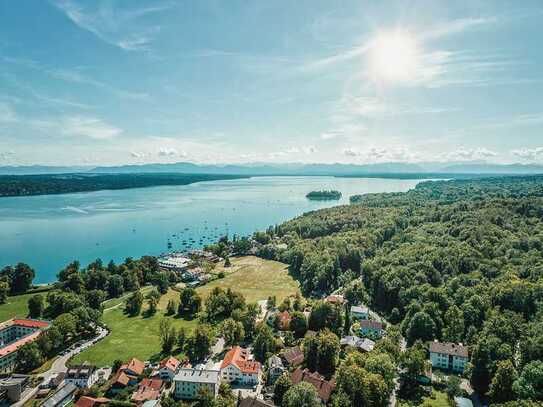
(49, 231)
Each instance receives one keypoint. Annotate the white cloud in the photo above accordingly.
(122, 28)
(167, 152)
(138, 154)
(90, 127)
(529, 154)
(468, 154)
(350, 152)
(309, 149)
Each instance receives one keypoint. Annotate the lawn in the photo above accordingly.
(138, 337)
(15, 307)
(130, 336)
(255, 278)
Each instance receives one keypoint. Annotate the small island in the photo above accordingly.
(323, 195)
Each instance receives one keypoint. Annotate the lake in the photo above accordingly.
(49, 231)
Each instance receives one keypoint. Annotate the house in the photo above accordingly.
(335, 299)
(62, 397)
(372, 329)
(362, 344)
(81, 375)
(462, 402)
(324, 387)
(168, 368)
(283, 320)
(15, 333)
(254, 402)
(121, 381)
(275, 368)
(239, 366)
(449, 356)
(148, 389)
(360, 312)
(293, 356)
(134, 367)
(86, 401)
(188, 382)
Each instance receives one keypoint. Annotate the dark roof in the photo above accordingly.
(449, 348)
(324, 387)
(254, 402)
(293, 356)
(370, 324)
(80, 372)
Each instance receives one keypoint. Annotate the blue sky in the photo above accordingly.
(110, 82)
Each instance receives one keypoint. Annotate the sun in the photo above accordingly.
(394, 56)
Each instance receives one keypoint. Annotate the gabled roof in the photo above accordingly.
(449, 348)
(357, 342)
(284, 319)
(293, 356)
(240, 358)
(155, 384)
(254, 402)
(144, 394)
(335, 299)
(86, 401)
(170, 363)
(359, 309)
(120, 378)
(12, 347)
(275, 361)
(324, 387)
(134, 365)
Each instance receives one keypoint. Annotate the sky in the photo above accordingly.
(119, 82)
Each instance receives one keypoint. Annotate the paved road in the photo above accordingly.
(59, 366)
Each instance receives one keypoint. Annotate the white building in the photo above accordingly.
(81, 376)
(240, 367)
(174, 262)
(449, 356)
(189, 382)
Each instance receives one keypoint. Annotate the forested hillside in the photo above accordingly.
(459, 261)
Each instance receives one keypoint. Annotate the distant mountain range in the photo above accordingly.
(288, 169)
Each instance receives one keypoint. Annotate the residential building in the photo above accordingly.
(81, 376)
(362, 344)
(275, 368)
(283, 320)
(134, 367)
(360, 312)
(335, 299)
(11, 388)
(174, 262)
(239, 366)
(449, 356)
(86, 401)
(168, 368)
(148, 389)
(373, 329)
(188, 382)
(121, 380)
(254, 402)
(62, 397)
(324, 387)
(293, 356)
(15, 333)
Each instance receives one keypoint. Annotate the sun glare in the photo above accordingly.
(394, 56)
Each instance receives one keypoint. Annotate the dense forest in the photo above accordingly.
(459, 261)
(24, 185)
(323, 195)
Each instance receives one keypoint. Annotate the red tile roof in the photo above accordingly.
(284, 320)
(86, 401)
(335, 299)
(120, 378)
(239, 357)
(154, 384)
(31, 323)
(366, 323)
(134, 365)
(324, 387)
(294, 356)
(144, 394)
(170, 363)
(12, 347)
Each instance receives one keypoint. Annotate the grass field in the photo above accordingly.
(15, 307)
(138, 337)
(437, 399)
(255, 278)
